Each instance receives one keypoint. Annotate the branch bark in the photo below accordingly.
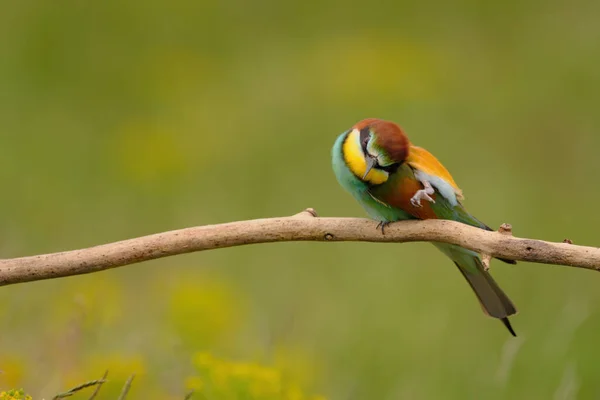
(305, 226)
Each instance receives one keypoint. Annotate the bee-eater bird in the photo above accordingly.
(395, 180)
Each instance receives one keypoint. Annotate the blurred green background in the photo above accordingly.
(125, 118)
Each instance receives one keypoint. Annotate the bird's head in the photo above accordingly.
(373, 148)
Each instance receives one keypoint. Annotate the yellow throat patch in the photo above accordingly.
(355, 160)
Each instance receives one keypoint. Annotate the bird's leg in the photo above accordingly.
(382, 225)
(423, 194)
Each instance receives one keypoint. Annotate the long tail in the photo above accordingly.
(493, 300)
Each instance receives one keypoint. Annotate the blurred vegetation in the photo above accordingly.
(222, 379)
(14, 394)
(125, 118)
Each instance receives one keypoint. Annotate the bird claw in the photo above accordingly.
(382, 225)
(420, 195)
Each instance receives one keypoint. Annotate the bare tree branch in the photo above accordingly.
(304, 226)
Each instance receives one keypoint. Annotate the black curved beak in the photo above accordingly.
(371, 162)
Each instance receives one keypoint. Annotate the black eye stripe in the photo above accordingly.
(364, 138)
(391, 168)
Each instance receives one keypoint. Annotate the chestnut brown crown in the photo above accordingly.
(383, 140)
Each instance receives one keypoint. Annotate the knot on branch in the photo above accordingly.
(504, 229)
(308, 213)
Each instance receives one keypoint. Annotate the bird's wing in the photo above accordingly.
(423, 161)
(402, 186)
(397, 191)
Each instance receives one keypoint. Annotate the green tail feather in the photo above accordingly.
(458, 213)
(493, 300)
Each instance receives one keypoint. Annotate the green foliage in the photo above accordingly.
(222, 379)
(14, 394)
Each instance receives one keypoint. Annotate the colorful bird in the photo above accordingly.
(395, 180)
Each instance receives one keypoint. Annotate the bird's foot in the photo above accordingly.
(422, 194)
(381, 225)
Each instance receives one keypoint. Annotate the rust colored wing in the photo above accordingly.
(422, 160)
(398, 191)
